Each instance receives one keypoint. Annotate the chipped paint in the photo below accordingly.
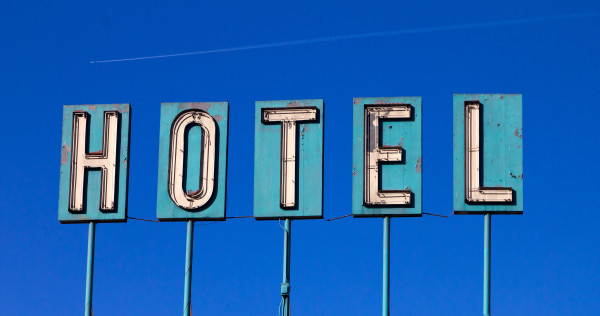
(520, 135)
(418, 167)
(218, 118)
(64, 155)
(91, 107)
(294, 104)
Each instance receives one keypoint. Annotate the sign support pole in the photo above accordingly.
(487, 250)
(285, 286)
(89, 279)
(187, 292)
(386, 266)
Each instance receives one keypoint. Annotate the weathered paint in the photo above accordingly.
(95, 123)
(501, 162)
(406, 175)
(309, 164)
(214, 209)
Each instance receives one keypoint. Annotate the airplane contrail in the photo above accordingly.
(363, 35)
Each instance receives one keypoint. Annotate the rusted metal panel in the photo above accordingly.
(94, 163)
(192, 163)
(387, 157)
(488, 154)
(288, 159)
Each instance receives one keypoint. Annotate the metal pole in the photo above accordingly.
(386, 266)
(285, 286)
(187, 292)
(89, 279)
(487, 251)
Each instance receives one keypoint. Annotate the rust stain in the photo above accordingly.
(521, 176)
(125, 163)
(91, 107)
(304, 129)
(64, 154)
(96, 152)
(520, 135)
(418, 168)
(218, 118)
(190, 192)
(121, 110)
(294, 104)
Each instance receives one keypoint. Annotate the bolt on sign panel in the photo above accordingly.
(387, 157)
(192, 162)
(94, 163)
(488, 154)
(288, 159)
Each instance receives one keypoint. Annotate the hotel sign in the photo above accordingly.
(387, 157)
(192, 161)
(94, 163)
(288, 159)
(488, 154)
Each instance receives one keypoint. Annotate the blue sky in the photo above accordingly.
(544, 261)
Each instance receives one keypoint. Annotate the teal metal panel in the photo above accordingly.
(404, 133)
(166, 209)
(309, 164)
(501, 158)
(92, 210)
